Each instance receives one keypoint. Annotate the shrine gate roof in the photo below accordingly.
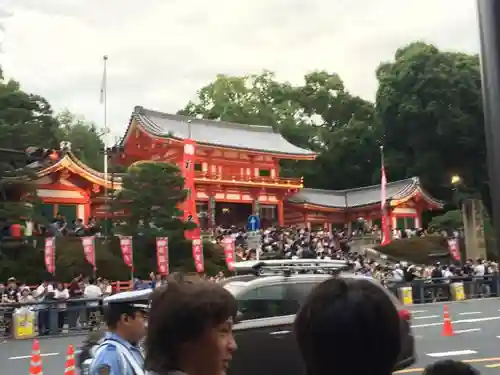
(216, 133)
(397, 192)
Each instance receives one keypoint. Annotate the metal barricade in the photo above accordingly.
(46, 318)
(447, 289)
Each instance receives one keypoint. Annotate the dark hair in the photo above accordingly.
(181, 312)
(114, 312)
(450, 367)
(342, 318)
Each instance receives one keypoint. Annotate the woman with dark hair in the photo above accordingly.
(348, 326)
(190, 328)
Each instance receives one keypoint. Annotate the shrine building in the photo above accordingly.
(237, 174)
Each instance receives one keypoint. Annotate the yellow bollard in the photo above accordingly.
(406, 295)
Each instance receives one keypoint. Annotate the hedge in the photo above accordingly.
(25, 261)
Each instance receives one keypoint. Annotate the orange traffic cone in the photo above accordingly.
(447, 326)
(69, 368)
(36, 360)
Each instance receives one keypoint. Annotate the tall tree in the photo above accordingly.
(429, 104)
(319, 115)
(84, 136)
(150, 196)
(256, 99)
(25, 119)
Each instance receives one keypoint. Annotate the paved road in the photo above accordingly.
(476, 322)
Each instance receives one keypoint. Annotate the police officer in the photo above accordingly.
(120, 353)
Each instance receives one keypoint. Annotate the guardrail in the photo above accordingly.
(43, 318)
(73, 316)
(446, 289)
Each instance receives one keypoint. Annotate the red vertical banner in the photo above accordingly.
(50, 254)
(89, 250)
(162, 255)
(454, 249)
(189, 206)
(386, 225)
(198, 255)
(190, 213)
(229, 251)
(127, 250)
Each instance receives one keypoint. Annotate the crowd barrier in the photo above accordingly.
(446, 289)
(29, 320)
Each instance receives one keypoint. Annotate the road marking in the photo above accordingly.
(475, 320)
(426, 317)
(493, 365)
(468, 330)
(408, 370)
(450, 354)
(475, 360)
(470, 313)
(417, 311)
(29, 356)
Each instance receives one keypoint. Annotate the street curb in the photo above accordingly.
(453, 302)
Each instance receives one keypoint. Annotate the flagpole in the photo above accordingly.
(104, 96)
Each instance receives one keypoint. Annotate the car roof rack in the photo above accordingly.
(288, 267)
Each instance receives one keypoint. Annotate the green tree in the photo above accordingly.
(256, 99)
(150, 196)
(84, 136)
(429, 105)
(320, 115)
(25, 119)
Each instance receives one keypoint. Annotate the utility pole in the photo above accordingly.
(489, 29)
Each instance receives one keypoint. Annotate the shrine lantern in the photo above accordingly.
(15, 230)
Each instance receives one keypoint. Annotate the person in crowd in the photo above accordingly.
(75, 292)
(120, 353)
(61, 294)
(44, 293)
(92, 292)
(26, 296)
(357, 313)
(105, 286)
(450, 367)
(190, 328)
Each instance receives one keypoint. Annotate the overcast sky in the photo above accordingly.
(162, 51)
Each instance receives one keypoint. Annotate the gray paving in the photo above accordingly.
(476, 322)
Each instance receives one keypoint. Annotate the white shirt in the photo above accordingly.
(479, 270)
(42, 290)
(92, 291)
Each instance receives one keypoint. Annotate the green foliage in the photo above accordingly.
(319, 115)
(26, 263)
(150, 196)
(85, 139)
(25, 119)
(449, 221)
(417, 250)
(429, 104)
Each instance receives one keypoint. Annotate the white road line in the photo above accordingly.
(29, 356)
(450, 354)
(470, 313)
(468, 330)
(418, 311)
(426, 317)
(474, 320)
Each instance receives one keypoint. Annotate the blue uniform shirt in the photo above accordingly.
(110, 357)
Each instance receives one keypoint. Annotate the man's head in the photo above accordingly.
(127, 316)
(190, 328)
(348, 326)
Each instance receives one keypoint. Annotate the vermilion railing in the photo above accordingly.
(245, 178)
